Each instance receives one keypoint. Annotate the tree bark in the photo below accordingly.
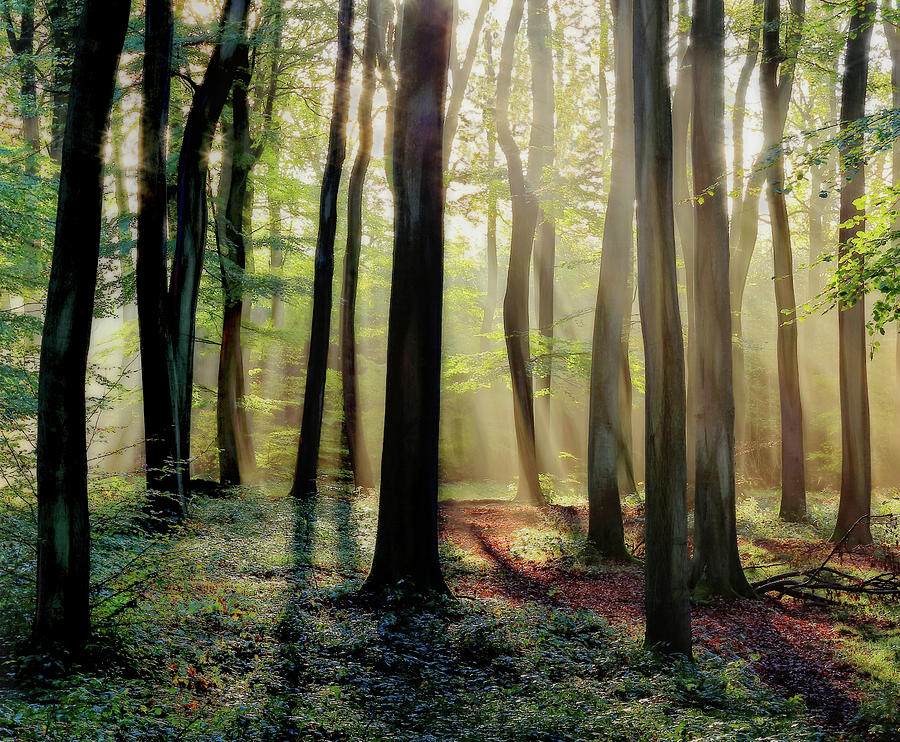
(406, 546)
(856, 454)
(158, 378)
(236, 460)
(776, 94)
(63, 563)
(190, 240)
(515, 304)
(490, 125)
(320, 338)
(666, 595)
(541, 157)
(62, 15)
(716, 569)
(606, 429)
(357, 455)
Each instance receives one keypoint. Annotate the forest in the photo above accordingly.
(471, 370)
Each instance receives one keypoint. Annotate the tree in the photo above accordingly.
(22, 46)
(667, 599)
(317, 364)
(515, 304)
(606, 431)
(541, 156)
(717, 564)
(358, 459)
(490, 298)
(158, 377)
(190, 240)
(63, 562)
(852, 525)
(406, 546)
(775, 91)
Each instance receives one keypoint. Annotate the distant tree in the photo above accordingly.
(856, 454)
(525, 211)
(22, 45)
(490, 298)
(358, 459)
(406, 546)
(666, 595)
(63, 19)
(717, 564)
(606, 429)
(158, 378)
(320, 338)
(776, 80)
(64, 551)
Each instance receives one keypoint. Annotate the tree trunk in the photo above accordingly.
(856, 453)
(606, 428)
(490, 125)
(358, 457)
(159, 382)
(776, 94)
(666, 595)
(62, 15)
(320, 338)
(190, 240)
(515, 304)
(63, 561)
(406, 546)
(716, 569)
(236, 460)
(23, 48)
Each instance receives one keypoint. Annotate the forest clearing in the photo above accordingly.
(246, 625)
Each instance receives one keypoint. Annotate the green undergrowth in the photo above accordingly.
(245, 625)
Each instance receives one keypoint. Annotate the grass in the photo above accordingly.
(244, 625)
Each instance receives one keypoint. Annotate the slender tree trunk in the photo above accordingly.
(606, 428)
(666, 596)
(352, 429)
(541, 157)
(23, 48)
(190, 240)
(158, 379)
(236, 460)
(62, 16)
(515, 304)
(490, 125)
(461, 81)
(320, 338)
(856, 453)
(64, 549)
(717, 564)
(775, 94)
(406, 546)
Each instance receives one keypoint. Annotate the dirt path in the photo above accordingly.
(791, 645)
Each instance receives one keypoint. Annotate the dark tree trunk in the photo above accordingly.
(63, 18)
(541, 157)
(358, 457)
(775, 92)
(23, 48)
(236, 460)
(856, 454)
(406, 546)
(190, 240)
(64, 550)
(490, 299)
(515, 304)
(158, 378)
(717, 564)
(606, 429)
(667, 598)
(320, 338)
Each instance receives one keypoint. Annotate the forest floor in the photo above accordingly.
(246, 625)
